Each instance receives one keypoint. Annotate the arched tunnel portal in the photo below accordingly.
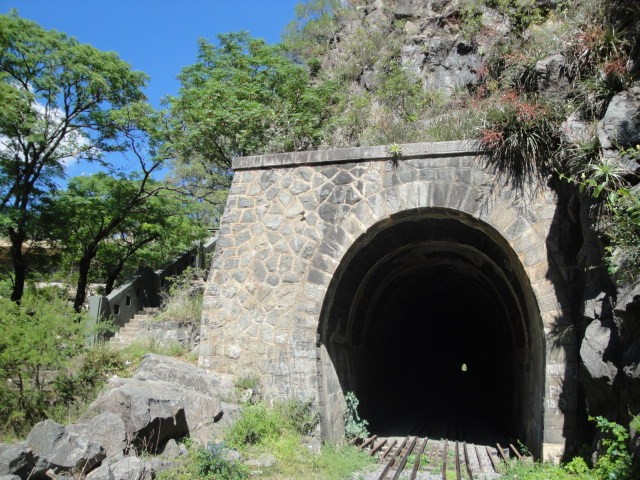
(418, 299)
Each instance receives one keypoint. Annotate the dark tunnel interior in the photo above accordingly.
(427, 323)
(433, 323)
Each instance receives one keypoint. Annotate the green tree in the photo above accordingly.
(103, 222)
(168, 228)
(60, 101)
(241, 97)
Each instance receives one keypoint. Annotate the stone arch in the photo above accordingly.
(514, 236)
(403, 253)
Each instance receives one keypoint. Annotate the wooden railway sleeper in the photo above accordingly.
(466, 460)
(403, 460)
(375, 448)
(479, 458)
(501, 452)
(493, 462)
(416, 466)
(368, 442)
(444, 459)
(388, 450)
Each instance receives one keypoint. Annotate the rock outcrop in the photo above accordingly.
(164, 402)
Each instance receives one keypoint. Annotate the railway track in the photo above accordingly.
(418, 458)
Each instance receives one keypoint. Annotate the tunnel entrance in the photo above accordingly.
(431, 321)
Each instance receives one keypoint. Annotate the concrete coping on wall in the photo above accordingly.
(343, 155)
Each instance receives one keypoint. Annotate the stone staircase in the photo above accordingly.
(130, 331)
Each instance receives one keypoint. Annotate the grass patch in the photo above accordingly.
(515, 470)
(281, 431)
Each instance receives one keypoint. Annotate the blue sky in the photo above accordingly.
(155, 36)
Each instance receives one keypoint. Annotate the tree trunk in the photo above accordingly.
(112, 276)
(83, 280)
(110, 282)
(17, 237)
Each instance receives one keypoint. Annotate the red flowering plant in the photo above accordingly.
(521, 135)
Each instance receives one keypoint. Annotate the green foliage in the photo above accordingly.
(96, 365)
(395, 150)
(635, 423)
(520, 14)
(210, 461)
(400, 93)
(204, 463)
(293, 461)
(280, 431)
(247, 382)
(61, 100)
(354, 426)
(261, 424)
(516, 470)
(300, 417)
(112, 225)
(257, 424)
(610, 183)
(458, 125)
(514, 69)
(82, 377)
(314, 29)
(578, 467)
(361, 51)
(39, 336)
(348, 127)
(241, 97)
(614, 460)
(134, 352)
(598, 57)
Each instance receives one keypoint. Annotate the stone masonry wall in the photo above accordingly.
(289, 220)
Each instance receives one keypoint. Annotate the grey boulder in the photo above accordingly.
(107, 430)
(16, 460)
(159, 368)
(621, 124)
(128, 468)
(155, 411)
(152, 412)
(59, 449)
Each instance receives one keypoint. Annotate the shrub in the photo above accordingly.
(256, 424)
(614, 462)
(516, 470)
(204, 463)
(399, 91)
(354, 426)
(211, 461)
(612, 186)
(520, 13)
(259, 424)
(300, 417)
(92, 368)
(338, 462)
(39, 336)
